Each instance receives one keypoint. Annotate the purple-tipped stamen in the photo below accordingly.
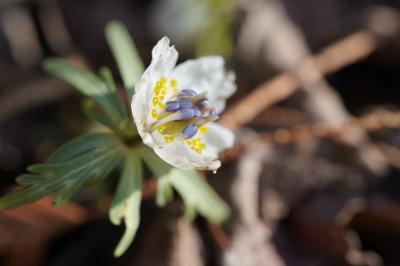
(202, 103)
(187, 93)
(186, 113)
(172, 106)
(197, 113)
(185, 104)
(190, 131)
(213, 112)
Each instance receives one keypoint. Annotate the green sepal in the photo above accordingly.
(126, 202)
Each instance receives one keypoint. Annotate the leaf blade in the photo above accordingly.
(128, 60)
(126, 203)
(80, 145)
(197, 193)
(87, 83)
(164, 192)
(57, 177)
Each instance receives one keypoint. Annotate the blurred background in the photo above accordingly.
(314, 177)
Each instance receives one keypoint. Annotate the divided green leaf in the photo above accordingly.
(126, 202)
(89, 157)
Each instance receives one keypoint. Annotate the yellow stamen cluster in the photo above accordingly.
(159, 95)
(196, 144)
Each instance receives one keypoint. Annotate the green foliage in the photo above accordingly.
(192, 187)
(128, 60)
(198, 195)
(126, 202)
(89, 157)
(160, 169)
(92, 86)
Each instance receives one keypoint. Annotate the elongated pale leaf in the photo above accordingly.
(92, 111)
(128, 60)
(89, 84)
(106, 76)
(198, 195)
(193, 188)
(160, 169)
(127, 125)
(126, 202)
(64, 178)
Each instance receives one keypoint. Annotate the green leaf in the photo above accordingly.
(128, 60)
(80, 145)
(106, 76)
(76, 162)
(193, 188)
(198, 195)
(160, 169)
(126, 202)
(92, 111)
(89, 84)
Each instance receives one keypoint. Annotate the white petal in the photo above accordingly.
(218, 138)
(163, 61)
(207, 74)
(181, 156)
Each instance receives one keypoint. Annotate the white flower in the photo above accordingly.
(175, 107)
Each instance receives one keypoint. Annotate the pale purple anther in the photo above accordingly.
(190, 131)
(197, 113)
(187, 113)
(172, 106)
(213, 112)
(203, 103)
(185, 104)
(187, 93)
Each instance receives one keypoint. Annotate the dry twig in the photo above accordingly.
(340, 54)
(378, 120)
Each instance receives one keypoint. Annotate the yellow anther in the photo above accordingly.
(161, 98)
(198, 150)
(173, 85)
(202, 146)
(154, 113)
(157, 89)
(163, 80)
(155, 101)
(168, 139)
(161, 105)
(203, 130)
(163, 91)
(161, 129)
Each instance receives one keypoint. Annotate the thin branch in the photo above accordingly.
(375, 121)
(340, 54)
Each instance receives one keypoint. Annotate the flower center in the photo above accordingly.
(180, 115)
